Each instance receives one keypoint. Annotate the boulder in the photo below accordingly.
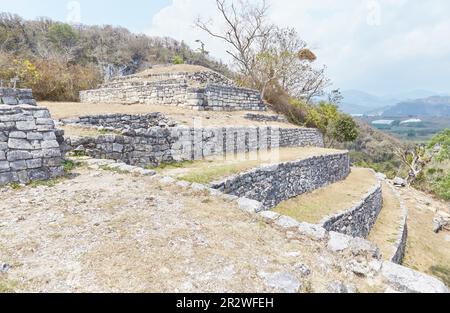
(400, 182)
(404, 279)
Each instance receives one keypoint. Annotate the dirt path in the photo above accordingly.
(107, 232)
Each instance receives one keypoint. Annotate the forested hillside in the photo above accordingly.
(57, 60)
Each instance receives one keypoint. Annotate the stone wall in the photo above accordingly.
(157, 145)
(273, 184)
(265, 118)
(200, 91)
(195, 78)
(359, 220)
(11, 96)
(121, 121)
(400, 243)
(29, 147)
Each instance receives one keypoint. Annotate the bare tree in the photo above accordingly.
(245, 27)
(415, 158)
(267, 55)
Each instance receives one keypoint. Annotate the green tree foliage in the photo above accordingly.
(98, 52)
(62, 36)
(334, 125)
(177, 59)
(442, 142)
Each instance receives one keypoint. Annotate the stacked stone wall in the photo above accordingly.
(273, 184)
(11, 96)
(157, 145)
(359, 220)
(29, 145)
(200, 91)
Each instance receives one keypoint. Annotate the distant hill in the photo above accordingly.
(431, 106)
(360, 102)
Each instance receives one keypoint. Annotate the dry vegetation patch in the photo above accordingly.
(338, 197)
(108, 232)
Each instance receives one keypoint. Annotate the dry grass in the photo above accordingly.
(218, 167)
(182, 115)
(107, 232)
(388, 226)
(313, 207)
(426, 251)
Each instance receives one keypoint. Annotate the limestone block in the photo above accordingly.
(22, 144)
(16, 155)
(404, 279)
(26, 125)
(18, 165)
(338, 242)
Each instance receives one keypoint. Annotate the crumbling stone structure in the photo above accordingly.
(204, 90)
(156, 145)
(29, 143)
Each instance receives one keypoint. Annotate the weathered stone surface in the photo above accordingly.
(404, 279)
(282, 281)
(16, 155)
(4, 166)
(359, 246)
(17, 135)
(399, 182)
(339, 287)
(26, 125)
(18, 165)
(249, 205)
(21, 144)
(49, 144)
(34, 163)
(338, 242)
(269, 216)
(286, 223)
(312, 231)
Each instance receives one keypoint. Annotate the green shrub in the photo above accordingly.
(441, 187)
(177, 59)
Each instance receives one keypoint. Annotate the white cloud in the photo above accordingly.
(361, 42)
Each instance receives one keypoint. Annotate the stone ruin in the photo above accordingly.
(203, 90)
(30, 146)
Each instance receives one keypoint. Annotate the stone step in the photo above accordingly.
(390, 230)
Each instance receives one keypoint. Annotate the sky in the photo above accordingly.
(378, 46)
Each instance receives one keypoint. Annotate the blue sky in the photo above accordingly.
(133, 14)
(378, 46)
